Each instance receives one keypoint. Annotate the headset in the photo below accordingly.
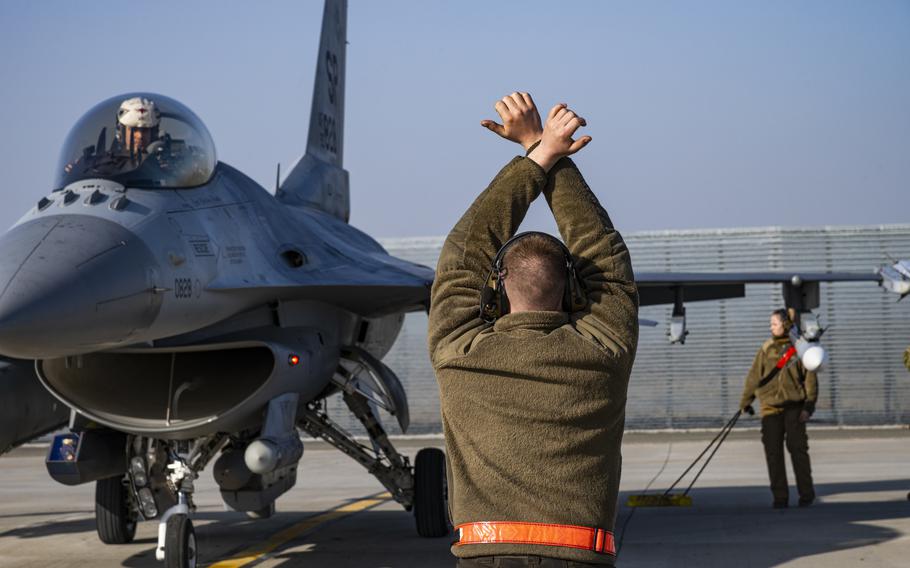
(493, 300)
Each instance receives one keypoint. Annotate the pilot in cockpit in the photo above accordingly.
(138, 121)
(137, 127)
(139, 140)
(139, 137)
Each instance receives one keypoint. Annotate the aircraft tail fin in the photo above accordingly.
(318, 179)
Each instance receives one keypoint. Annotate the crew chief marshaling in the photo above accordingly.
(533, 404)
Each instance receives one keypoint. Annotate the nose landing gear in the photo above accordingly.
(180, 541)
(176, 536)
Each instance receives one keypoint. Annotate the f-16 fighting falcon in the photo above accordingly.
(180, 315)
(182, 312)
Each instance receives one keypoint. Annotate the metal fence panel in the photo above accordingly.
(699, 384)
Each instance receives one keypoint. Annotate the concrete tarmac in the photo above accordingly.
(334, 519)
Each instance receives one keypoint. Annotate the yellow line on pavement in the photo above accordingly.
(257, 551)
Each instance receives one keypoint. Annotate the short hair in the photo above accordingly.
(535, 271)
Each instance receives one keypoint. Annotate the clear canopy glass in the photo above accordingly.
(139, 140)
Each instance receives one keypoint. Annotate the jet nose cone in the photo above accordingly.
(72, 284)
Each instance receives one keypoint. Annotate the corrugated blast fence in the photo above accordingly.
(699, 384)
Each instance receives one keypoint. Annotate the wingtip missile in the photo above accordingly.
(806, 339)
(896, 278)
(812, 354)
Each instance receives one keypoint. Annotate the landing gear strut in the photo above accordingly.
(425, 494)
(388, 466)
(176, 536)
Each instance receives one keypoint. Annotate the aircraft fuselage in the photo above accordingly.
(139, 304)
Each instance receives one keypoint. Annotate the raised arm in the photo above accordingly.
(468, 252)
(601, 258)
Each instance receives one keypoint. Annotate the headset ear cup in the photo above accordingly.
(491, 298)
(581, 300)
(494, 302)
(577, 298)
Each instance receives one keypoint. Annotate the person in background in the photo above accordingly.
(788, 393)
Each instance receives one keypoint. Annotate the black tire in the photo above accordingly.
(180, 543)
(430, 506)
(115, 522)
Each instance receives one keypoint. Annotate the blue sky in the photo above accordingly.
(703, 113)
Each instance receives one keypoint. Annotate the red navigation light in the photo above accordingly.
(293, 360)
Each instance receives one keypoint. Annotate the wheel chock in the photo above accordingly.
(659, 501)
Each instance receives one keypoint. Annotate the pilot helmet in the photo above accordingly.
(138, 113)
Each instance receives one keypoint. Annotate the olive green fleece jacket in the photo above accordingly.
(533, 407)
(792, 385)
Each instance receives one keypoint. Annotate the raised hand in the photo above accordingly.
(520, 119)
(557, 140)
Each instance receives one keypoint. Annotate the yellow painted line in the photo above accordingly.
(257, 551)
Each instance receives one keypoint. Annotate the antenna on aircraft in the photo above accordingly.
(278, 178)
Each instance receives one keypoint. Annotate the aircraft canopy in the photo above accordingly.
(139, 140)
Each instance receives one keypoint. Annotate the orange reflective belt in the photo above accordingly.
(509, 532)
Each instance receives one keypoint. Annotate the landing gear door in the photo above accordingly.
(389, 393)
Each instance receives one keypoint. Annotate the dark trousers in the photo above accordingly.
(774, 431)
(521, 562)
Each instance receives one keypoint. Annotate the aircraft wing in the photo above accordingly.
(376, 285)
(366, 300)
(664, 287)
(800, 289)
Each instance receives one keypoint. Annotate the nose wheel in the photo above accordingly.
(180, 538)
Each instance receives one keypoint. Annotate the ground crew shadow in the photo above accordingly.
(725, 523)
(737, 524)
(375, 539)
(370, 539)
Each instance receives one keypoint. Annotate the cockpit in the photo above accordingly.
(139, 140)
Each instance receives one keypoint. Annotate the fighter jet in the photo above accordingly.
(183, 312)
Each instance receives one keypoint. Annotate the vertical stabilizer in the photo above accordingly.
(318, 179)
